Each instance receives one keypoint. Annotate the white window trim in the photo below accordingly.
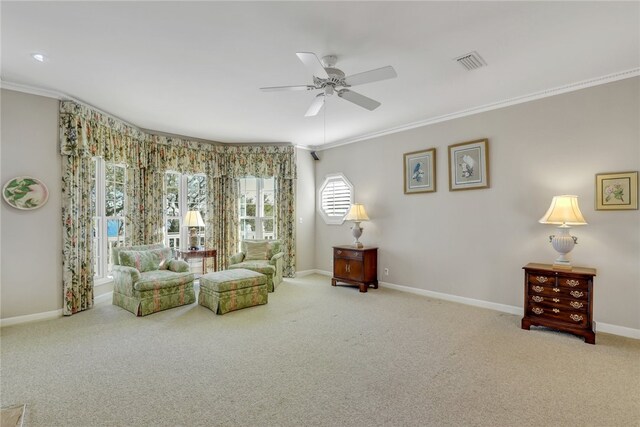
(183, 206)
(102, 274)
(333, 220)
(259, 212)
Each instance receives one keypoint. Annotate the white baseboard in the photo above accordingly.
(518, 311)
(455, 298)
(623, 331)
(304, 273)
(47, 315)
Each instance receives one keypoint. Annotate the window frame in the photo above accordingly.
(101, 245)
(329, 218)
(260, 217)
(183, 207)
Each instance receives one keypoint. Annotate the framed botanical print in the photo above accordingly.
(616, 191)
(420, 171)
(469, 165)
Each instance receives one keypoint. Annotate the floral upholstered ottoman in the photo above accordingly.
(229, 290)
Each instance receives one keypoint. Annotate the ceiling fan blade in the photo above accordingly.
(376, 75)
(311, 61)
(279, 88)
(315, 106)
(358, 99)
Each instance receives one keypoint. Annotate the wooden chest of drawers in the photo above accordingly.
(355, 266)
(559, 299)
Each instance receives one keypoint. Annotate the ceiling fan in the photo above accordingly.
(332, 80)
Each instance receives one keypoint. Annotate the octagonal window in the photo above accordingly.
(335, 198)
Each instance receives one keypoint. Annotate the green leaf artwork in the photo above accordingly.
(614, 191)
(25, 193)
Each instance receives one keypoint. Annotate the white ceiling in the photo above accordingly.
(194, 68)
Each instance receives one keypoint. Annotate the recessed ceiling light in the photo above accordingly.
(38, 57)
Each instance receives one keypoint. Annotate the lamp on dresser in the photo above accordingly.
(564, 212)
(357, 214)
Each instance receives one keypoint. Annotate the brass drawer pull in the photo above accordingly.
(537, 310)
(555, 310)
(556, 300)
(338, 252)
(573, 283)
(576, 304)
(576, 294)
(542, 279)
(537, 298)
(538, 288)
(576, 317)
(556, 289)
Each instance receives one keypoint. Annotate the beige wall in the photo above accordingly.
(31, 265)
(473, 243)
(305, 211)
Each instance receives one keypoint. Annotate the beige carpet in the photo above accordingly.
(319, 356)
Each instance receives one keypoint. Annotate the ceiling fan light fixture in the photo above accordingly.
(332, 80)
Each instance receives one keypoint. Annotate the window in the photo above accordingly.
(183, 193)
(108, 198)
(257, 208)
(335, 198)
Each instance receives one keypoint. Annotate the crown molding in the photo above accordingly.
(32, 90)
(635, 72)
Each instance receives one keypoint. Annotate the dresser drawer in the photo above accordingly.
(573, 283)
(347, 254)
(542, 279)
(555, 291)
(571, 317)
(560, 303)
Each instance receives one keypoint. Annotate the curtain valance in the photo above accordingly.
(85, 132)
(260, 161)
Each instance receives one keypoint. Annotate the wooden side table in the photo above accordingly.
(559, 299)
(200, 254)
(355, 266)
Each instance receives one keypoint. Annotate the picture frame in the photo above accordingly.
(469, 165)
(420, 171)
(616, 191)
(25, 193)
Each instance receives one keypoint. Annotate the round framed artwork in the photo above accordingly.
(25, 192)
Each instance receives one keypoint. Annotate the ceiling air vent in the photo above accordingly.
(471, 61)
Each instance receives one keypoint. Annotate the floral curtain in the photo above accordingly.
(286, 223)
(224, 221)
(264, 161)
(86, 133)
(77, 233)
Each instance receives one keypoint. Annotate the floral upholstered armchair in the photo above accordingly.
(262, 256)
(147, 279)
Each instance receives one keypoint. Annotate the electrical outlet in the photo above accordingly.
(386, 271)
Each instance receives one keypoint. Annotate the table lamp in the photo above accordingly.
(564, 212)
(357, 214)
(193, 220)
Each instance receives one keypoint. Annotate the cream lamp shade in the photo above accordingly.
(357, 213)
(193, 220)
(564, 212)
